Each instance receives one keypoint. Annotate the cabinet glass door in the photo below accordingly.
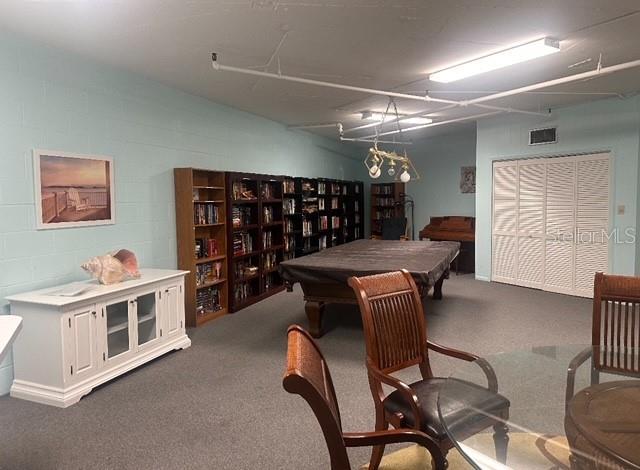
(147, 318)
(117, 328)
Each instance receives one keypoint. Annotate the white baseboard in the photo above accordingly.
(483, 278)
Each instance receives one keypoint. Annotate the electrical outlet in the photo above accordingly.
(621, 209)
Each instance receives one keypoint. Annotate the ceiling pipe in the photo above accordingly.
(433, 124)
(362, 139)
(558, 81)
(308, 81)
(370, 91)
(315, 126)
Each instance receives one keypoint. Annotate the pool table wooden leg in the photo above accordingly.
(437, 287)
(314, 311)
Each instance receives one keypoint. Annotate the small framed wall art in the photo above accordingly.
(73, 190)
(468, 179)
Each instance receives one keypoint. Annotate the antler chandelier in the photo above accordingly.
(377, 159)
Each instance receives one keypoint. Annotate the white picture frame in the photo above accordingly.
(73, 190)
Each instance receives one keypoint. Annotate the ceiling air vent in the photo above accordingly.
(548, 135)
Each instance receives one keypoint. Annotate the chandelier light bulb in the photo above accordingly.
(374, 168)
(405, 176)
(391, 171)
(375, 174)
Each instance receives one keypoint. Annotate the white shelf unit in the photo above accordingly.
(69, 345)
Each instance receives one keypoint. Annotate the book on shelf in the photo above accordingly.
(206, 214)
(206, 247)
(269, 260)
(267, 239)
(242, 243)
(242, 192)
(334, 203)
(208, 300)
(307, 227)
(288, 186)
(289, 206)
(241, 216)
(208, 272)
(269, 190)
(267, 215)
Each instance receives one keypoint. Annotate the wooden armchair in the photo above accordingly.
(615, 349)
(308, 375)
(615, 330)
(396, 338)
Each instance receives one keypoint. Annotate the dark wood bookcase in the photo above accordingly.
(255, 234)
(384, 197)
(201, 214)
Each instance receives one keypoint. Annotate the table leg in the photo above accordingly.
(314, 311)
(437, 287)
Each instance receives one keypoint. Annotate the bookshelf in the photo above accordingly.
(352, 210)
(307, 238)
(202, 242)
(255, 230)
(292, 216)
(383, 199)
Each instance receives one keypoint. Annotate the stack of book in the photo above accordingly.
(240, 216)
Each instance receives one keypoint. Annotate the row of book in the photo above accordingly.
(307, 227)
(206, 213)
(289, 206)
(208, 272)
(242, 243)
(270, 191)
(267, 215)
(385, 201)
(206, 248)
(269, 260)
(242, 191)
(208, 300)
(379, 189)
(383, 213)
(289, 243)
(241, 216)
(288, 186)
(288, 226)
(267, 239)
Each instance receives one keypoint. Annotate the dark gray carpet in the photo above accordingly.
(220, 403)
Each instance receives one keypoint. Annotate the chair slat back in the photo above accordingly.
(616, 323)
(393, 320)
(308, 375)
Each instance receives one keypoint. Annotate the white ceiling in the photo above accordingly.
(389, 45)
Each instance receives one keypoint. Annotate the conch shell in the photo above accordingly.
(113, 268)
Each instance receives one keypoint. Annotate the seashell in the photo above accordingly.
(129, 261)
(107, 269)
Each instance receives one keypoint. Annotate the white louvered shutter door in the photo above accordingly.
(592, 221)
(560, 224)
(531, 226)
(503, 263)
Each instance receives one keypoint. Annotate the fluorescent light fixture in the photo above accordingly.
(514, 55)
(375, 116)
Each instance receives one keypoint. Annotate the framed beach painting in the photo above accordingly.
(73, 190)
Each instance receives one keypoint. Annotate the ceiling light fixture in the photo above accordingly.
(498, 60)
(378, 117)
(377, 158)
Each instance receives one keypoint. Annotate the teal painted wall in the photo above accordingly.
(57, 101)
(438, 160)
(603, 125)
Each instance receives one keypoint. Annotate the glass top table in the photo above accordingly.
(557, 418)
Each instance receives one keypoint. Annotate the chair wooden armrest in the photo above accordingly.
(375, 237)
(492, 379)
(575, 363)
(402, 387)
(396, 436)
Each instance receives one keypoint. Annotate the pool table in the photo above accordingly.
(323, 276)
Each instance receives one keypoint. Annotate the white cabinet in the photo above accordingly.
(71, 344)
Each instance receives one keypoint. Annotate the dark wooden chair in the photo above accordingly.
(396, 338)
(615, 330)
(394, 228)
(615, 347)
(308, 375)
